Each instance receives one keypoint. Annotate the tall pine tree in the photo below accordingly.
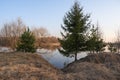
(75, 26)
(26, 43)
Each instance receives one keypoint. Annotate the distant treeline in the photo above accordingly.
(48, 42)
(10, 33)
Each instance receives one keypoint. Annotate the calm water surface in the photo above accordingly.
(57, 59)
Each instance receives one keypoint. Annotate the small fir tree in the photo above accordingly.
(92, 39)
(95, 42)
(112, 47)
(26, 42)
(75, 27)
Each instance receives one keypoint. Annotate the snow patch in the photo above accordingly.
(5, 49)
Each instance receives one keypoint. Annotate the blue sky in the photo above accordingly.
(50, 13)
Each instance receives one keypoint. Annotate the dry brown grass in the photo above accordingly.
(102, 58)
(104, 66)
(89, 71)
(28, 66)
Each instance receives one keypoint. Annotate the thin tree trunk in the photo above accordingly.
(118, 49)
(93, 51)
(75, 56)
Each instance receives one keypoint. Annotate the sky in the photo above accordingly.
(50, 13)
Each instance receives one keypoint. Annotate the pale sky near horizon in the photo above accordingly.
(50, 13)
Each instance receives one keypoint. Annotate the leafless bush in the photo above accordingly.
(40, 32)
(10, 32)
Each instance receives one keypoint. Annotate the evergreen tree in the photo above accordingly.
(111, 47)
(26, 43)
(92, 39)
(95, 42)
(100, 46)
(75, 26)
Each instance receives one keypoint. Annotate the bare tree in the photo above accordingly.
(118, 40)
(12, 31)
(40, 32)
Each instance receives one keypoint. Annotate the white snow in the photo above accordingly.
(5, 49)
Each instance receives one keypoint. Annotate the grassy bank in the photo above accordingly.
(103, 66)
(28, 66)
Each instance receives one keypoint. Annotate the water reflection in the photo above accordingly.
(58, 60)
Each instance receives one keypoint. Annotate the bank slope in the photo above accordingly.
(26, 66)
(102, 66)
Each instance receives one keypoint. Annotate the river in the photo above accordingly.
(55, 58)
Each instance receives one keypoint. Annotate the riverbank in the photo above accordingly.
(103, 66)
(28, 66)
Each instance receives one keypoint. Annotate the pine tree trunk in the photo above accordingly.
(93, 51)
(118, 49)
(75, 56)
